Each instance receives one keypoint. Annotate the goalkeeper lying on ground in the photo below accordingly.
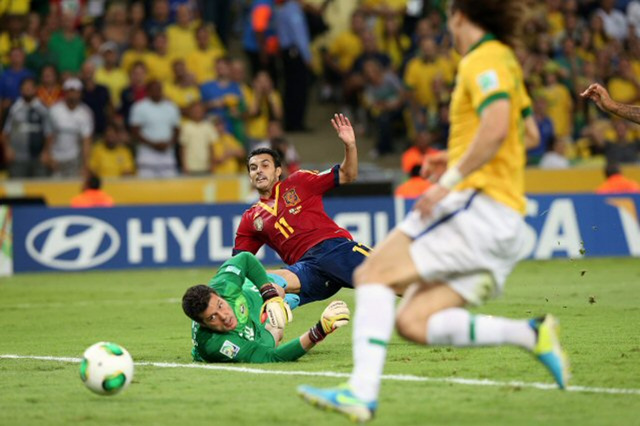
(240, 317)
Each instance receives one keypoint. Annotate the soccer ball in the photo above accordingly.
(106, 368)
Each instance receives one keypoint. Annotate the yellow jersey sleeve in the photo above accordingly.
(486, 82)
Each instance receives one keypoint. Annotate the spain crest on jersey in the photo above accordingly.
(291, 198)
(258, 223)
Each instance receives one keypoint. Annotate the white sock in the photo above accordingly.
(372, 327)
(457, 327)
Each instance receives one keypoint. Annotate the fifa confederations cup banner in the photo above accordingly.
(569, 226)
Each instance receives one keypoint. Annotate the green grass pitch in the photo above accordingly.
(61, 314)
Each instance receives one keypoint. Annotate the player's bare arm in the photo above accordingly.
(349, 167)
(602, 99)
(494, 127)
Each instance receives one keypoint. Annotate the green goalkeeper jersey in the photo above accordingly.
(238, 281)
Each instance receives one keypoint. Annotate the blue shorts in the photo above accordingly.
(327, 267)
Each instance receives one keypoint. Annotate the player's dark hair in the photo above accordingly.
(415, 171)
(94, 182)
(611, 169)
(502, 18)
(277, 161)
(196, 300)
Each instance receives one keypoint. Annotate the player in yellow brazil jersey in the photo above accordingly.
(465, 233)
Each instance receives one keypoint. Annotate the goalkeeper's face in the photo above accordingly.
(219, 316)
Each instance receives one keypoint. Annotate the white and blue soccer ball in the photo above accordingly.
(106, 368)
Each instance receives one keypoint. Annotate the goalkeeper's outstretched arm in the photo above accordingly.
(335, 315)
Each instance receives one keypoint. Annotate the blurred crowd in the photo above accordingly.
(159, 88)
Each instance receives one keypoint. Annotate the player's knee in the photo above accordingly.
(410, 326)
(365, 273)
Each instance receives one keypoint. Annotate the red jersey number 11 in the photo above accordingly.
(285, 229)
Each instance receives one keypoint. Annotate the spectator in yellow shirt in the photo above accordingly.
(227, 155)
(110, 157)
(345, 48)
(111, 75)
(138, 51)
(393, 42)
(182, 90)
(201, 62)
(197, 136)
(420, 77)
(160, 62)
(265, 106)
(181, 35)
(15, 37)
(559, 102)
(624, 86)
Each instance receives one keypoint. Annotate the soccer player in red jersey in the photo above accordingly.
(290, 218)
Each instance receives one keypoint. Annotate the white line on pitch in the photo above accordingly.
(97, 302)
(391, 377)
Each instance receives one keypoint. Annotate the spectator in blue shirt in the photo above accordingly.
(293, 36)
(12, 77)
(222, 96)
(545, 127)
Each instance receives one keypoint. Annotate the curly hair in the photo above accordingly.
(502, 18)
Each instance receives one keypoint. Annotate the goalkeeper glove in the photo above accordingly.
(333, 317)
(274, 309)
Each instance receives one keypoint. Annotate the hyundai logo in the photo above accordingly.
(72, 242)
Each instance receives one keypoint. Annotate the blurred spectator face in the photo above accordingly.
(160, 43)
(550, 78)
(222, 69)
(179, 69)
(607, 5)
(544, 44)
(263, 82)
(111, 136)
(16, 58)
(540, 106)
(87, 71)
(88, 31)
(585, 40)
(139, 40)
(428, 48)
(202, 37)
(560, 146)
(423, 28)
(68, 23)
(596, 24)
(553, 5)
(154, 89)
(28, 90)
(95, 41)
(372, 72)
(15, 25)
(570, 6)
(624, 66)
(33, 23)
(196, 112)
(117, 14)
(183, 15)
(72, 97)
(423, 140)
(238, 71)
(138, 74)
(369, 42)
(570, 22)
(568, 47)
(161, 10)
(218, 123)
(136, 13)
(358, 24)
(620, 126)
(110, 58)
(43, 36)
(274, 130)
(48, 76)
(391, 25)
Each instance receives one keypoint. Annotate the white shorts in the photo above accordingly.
(471, 242)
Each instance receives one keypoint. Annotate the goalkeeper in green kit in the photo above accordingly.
(241, 315)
